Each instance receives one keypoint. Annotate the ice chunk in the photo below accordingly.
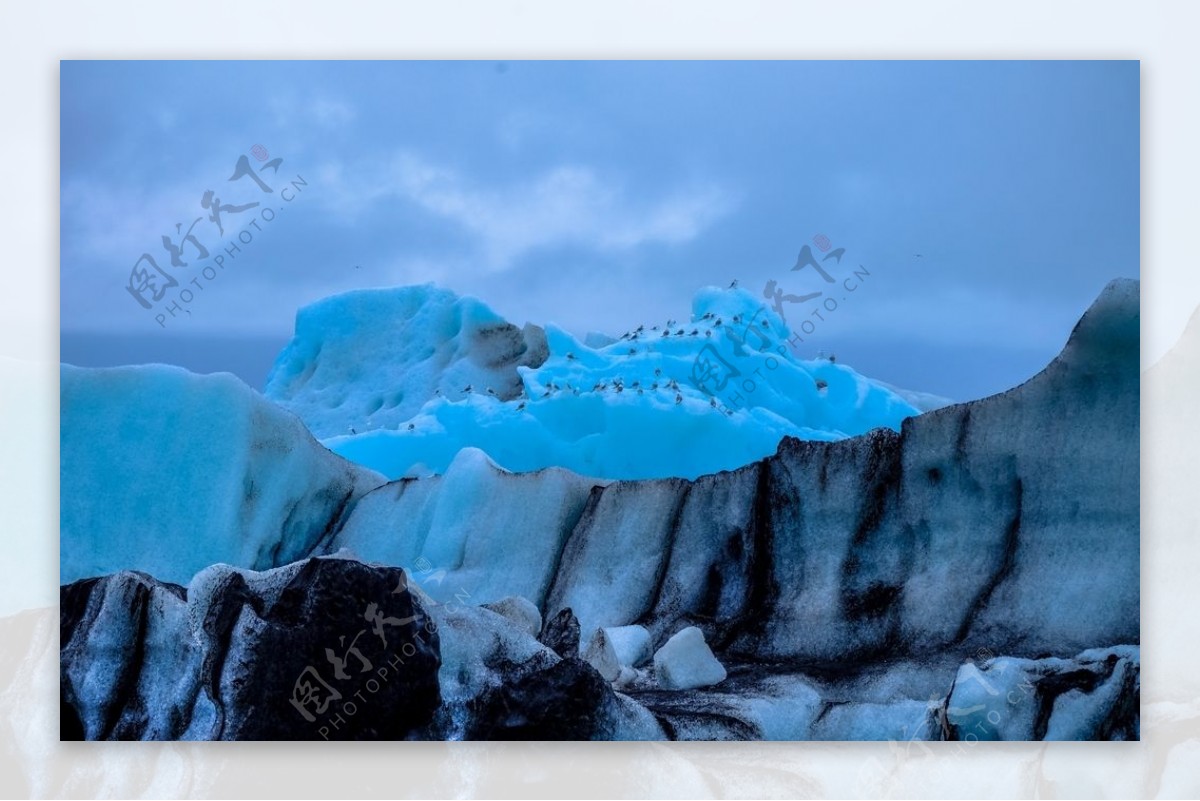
(520, 611)
(612, 649)
(686, 662)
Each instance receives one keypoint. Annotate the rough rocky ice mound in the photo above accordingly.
(402, 380)
(290, 654)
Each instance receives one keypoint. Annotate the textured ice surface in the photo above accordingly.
(401, 380)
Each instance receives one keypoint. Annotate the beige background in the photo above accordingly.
(33, 37)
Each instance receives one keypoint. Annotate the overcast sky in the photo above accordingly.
(599, 195)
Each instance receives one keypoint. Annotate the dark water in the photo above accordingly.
(249, 358)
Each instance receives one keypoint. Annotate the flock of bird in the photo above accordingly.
(706, 325)
(617, 384)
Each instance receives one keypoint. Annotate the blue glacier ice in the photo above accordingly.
(401, 380)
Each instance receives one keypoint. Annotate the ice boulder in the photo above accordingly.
(612, 649)
(686, 662)
(520, 611)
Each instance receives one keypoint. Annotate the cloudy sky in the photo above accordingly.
(599, 195)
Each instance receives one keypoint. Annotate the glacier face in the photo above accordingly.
(169, 472)
(402, 380)
(841, 584)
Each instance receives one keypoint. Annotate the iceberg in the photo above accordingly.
(402, 380)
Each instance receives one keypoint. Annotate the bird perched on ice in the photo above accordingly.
(521, 406)
(491, 392)
(733, 284)
(678, 399)
(467, 389)
(411, 426)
